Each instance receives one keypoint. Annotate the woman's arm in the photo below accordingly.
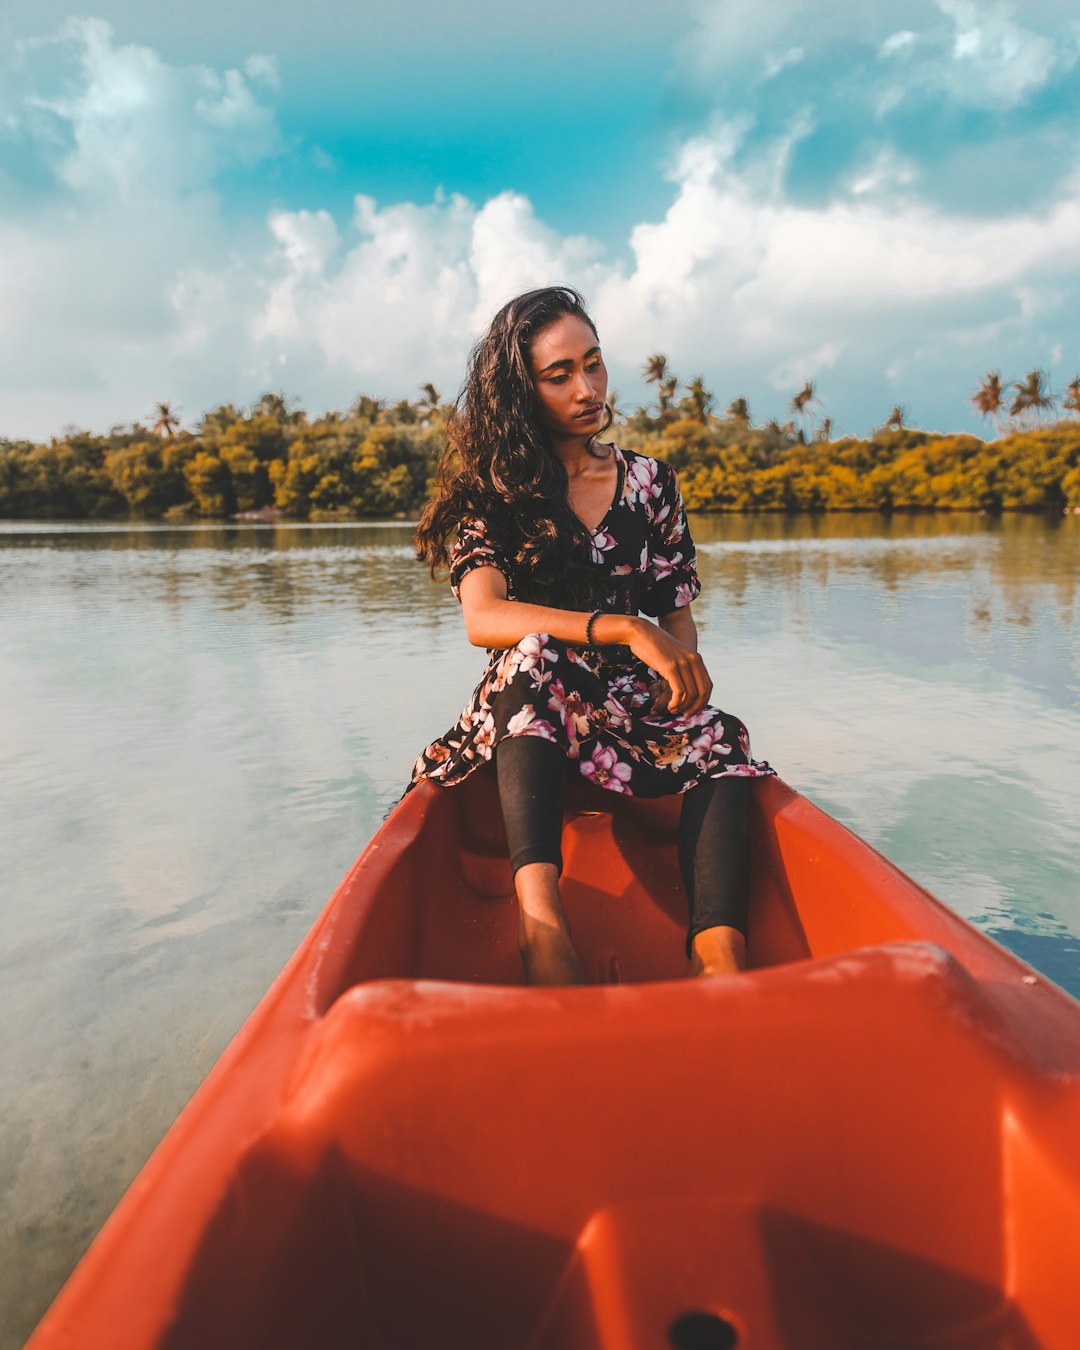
(492, 620)
(680, 624)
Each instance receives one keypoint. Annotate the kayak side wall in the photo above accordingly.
(124, 1290)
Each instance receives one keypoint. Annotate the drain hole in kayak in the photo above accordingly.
(702, 1331)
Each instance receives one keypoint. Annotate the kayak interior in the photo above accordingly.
(868, 1138)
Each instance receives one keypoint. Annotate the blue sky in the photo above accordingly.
(201, 204)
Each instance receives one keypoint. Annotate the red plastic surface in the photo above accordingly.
(870, 1138)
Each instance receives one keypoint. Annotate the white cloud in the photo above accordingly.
(263, 68)
(135, 125)
(412, 286)
(887, 175)
(131, 285)
(734, 281)
(996, 61)
(970, 52)
(775, 64)
(731, 35)
(897, 42)
(93, 269)
(804, 366)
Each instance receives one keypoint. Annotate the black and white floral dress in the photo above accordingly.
(595, 702)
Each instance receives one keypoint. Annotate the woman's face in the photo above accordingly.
(569, 377)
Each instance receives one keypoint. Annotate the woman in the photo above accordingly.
(560, 542)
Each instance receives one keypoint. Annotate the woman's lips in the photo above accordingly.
(590, 412)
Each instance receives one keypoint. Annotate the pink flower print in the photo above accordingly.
(603, 542)
(534, 650)
(640, 476)
(615, 714)
(699, 719)
(684, 593)
(572, 708)
(605, 770)
(628, 691)
(707, 743)
(663, 567)
(526, 722)
(485, 734)
(744, 740)
(672, 520)
(503, 673)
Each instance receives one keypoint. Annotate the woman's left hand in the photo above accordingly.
(660, 693)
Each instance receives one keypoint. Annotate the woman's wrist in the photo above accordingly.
(612, 629)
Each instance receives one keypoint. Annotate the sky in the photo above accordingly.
(208, 201)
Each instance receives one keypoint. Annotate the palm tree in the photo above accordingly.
(896, 419)
(431, 398)
(656, 372)
(739, 412)
(168, 420)
(989, 397)
(220, 418)
(698, 399)
(825, 430)
(801, 403)
(363, 405)
(1071, 400)
(1031, 395)
(279, 407)
(655, 369)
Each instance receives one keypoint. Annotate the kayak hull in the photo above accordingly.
(870, 1137)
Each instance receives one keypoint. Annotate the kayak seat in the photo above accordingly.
(435, 900)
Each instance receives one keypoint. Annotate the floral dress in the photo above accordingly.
(594, 702)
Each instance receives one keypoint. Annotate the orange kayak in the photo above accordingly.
(870, 1138)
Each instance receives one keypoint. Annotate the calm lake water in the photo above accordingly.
(201, 727)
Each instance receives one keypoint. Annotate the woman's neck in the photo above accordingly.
(576, 454)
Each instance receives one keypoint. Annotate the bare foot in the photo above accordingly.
(548, 955)
(543, 930)
(718, 951)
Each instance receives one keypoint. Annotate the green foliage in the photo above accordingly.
(378, 459)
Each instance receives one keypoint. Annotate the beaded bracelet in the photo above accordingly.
(589, 626)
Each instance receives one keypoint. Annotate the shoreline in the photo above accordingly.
(273, 516)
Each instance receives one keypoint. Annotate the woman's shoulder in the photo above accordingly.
(657, 467)
(645, 478)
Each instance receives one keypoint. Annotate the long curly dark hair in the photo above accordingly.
(499, 466)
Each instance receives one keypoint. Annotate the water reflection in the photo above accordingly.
(200, 727)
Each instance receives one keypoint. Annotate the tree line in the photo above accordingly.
(377, 459)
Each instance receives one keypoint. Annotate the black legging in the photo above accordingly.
(714, 846)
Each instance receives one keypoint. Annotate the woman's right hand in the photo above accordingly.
(683, 669)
